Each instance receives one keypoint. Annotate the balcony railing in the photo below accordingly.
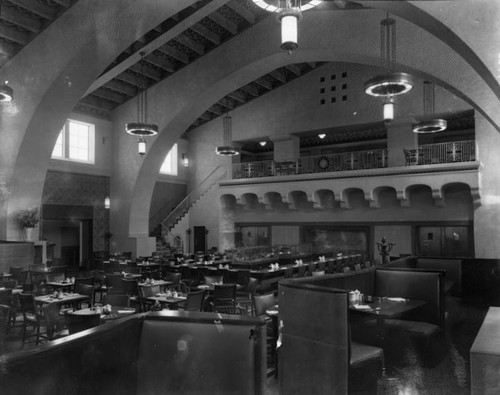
(359, 160)
(452, 152)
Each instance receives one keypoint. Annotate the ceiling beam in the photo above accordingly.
(174, 53)
(190, 43)
(64, 3)
(15, 35)
(36, 8)
(180, 27)
(312, 65)
(147, 71)
(215, 110)
(278, 75)
(132, 79)
(242, 11)
(206, 33)
(160, 62)
(23, 20)
(264, 83)
(97, 102)
(223, 22)
(251, 90)
(105, 94)
(205, 116)
(237, 96)
(226, 103)
(294, 69)
(122, 88)
(8, 49)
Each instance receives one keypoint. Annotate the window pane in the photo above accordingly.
(78, 141)
(58, 151)
(169, 165)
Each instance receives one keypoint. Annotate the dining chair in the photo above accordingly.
(121, 300)
(321, 266)
(77, 322)
(38, 280)
(146, 291)
(18, 273)
(288, 272)
(100, 285)
(4, 325)
(88, 280)
(318, 273)
(310, 268)
(301, 272)
(56, 323)
(131, 288)
(261, 303)
(132, 269)
(87, 290)
(114, 283)
(32, 316)
(10, 284)
(8, 299)
(224, 299)
(194, 301)
(175, 278)
(245, 300)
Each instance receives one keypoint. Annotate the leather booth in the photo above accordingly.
(170, 352)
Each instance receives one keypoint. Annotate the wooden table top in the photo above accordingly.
(66, 298)
(386, 307)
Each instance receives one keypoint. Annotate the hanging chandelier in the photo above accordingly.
(227, 149)
(6, 92)
(432, 125)
(289, 14)
(142, 128)
(392, 83)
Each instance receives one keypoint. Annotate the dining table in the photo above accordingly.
(61, 298)
(211, 287)
(63, 284)
(168, 299)
(115, 313)
(163, 284)
(383, 308)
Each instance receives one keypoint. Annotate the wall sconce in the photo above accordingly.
(185, 160)
(141, 146)
(6, 92)
(107, 203)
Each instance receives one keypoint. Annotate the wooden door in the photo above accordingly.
(200, 239)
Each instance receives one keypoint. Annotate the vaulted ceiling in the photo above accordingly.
(167, 48)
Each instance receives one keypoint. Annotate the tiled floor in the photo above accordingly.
(441, 370)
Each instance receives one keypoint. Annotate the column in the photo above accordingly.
(399, 137)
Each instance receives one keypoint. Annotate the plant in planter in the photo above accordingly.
(28, 219)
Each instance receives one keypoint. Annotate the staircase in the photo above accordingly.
(218, 174)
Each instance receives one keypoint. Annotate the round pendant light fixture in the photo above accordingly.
(289, 14)
(392, 83)
(141, 127)
(227, 149)
(430, 125)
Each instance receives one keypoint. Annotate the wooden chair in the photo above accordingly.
(175, 278)
(100, 285)
(114, 283)
(56, 323)
(4, 325)
(77, 323)
(218, 279)
(245, 300)
(261, 303)
(146, 291)
(224, 299)
(122, 300)
(32, 316)
(87, 280)
(131, 288)
(85, 289)
(301, 272)
(194, 301)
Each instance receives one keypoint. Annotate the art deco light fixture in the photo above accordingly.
(227, 149)
(6, 92)
(262, 143)
(431, 125)
(322, 136)
(289, 14)
(393, 83)
(185, 160)
(142, 128)
(107, 202)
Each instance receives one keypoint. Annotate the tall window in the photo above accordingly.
(76, 142)
(169, 165)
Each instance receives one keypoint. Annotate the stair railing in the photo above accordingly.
(160, 214)
(218, 174)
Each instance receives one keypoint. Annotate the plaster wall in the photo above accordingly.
(487, 215)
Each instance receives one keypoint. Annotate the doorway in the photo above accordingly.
(200, 239)
(447, 241)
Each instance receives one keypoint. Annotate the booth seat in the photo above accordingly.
(164, 352)
(451, 268)
(378, 281)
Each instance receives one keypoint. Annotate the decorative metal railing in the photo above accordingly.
(451, 152)
(218, 174)
(358, 160)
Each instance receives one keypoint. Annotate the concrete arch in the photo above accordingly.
(385, 196)
(324, 199)
(353, 198)
(228, 201)
(298, 200)
(420, 195)
(250, 201)
(274, 201)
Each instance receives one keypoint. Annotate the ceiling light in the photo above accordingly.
(6, 92)
(431, 125)
(322, 136)
(142, 128)
(392, 83)
(141, 146)
(185, 160)
(107, 202)
(263, 143)
(227, 149)
(289, 13)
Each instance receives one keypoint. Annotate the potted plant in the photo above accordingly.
(28, 219)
